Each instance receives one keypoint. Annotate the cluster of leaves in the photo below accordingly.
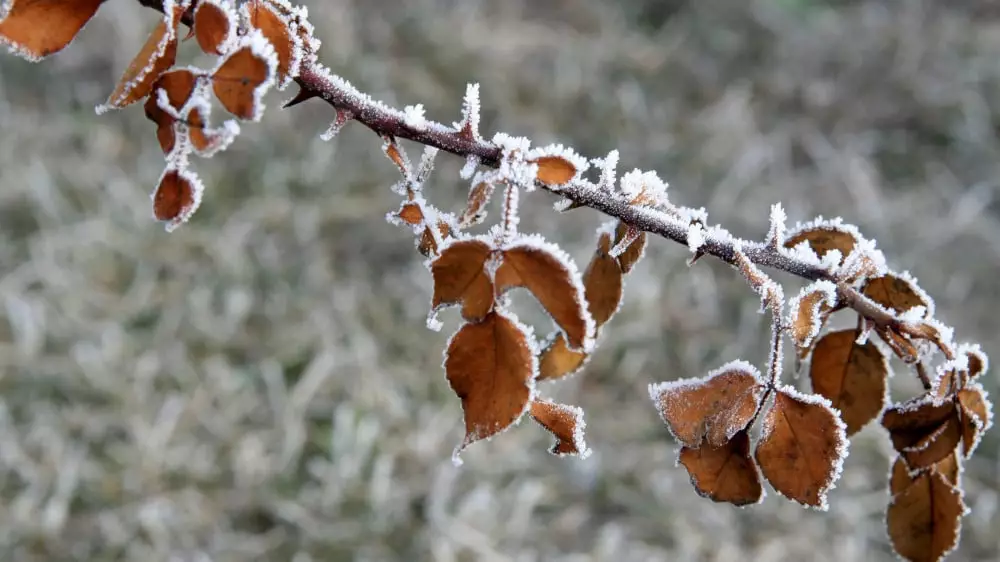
(493, 362)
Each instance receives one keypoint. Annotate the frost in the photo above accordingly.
(695, 237)
(644, 188)
(469, 169)
(831, 260)
(865, 261)
(631, 235)
(343, 117)
(261, 49)
(414, 117)
(609, 173)
(579, 163)
(776, 232)
(815, 295)
(469, 126)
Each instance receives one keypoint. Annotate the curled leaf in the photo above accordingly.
(802, 447)
(923, 430)
(156, 56)
(491, 366)
(565, 423)
(808, 312)
(177, 197)
(851, 376)
(725, 473)
(977, 415)
(244, 76)
(603, 283)
(281, 32)
(475, 210)
(631, 255)
(35, 30)
(898, 293)
(215, 25)
(557, 360)
(460, 277)
(711, 409)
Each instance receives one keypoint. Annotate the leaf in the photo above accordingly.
(549, 274)
(823, 237)
(156, 56)
(635, 250)
(411, 214)
(427, 245)
(565, 423)
(177, 197)
(35, 30)
(725, 473)
(164, 124)
(206, 140)
(557, 360)
(923, 430)
(603, 283)
(924, 519)
(809, 311)
(977, 416)
(475, 211)
(277, 29)
(898, 293)
(491, 367)
(713, 408)
(244, 76)
(851, 376)
(460, 277)
(802, 447)
(214, 26)
(900, 478)
(178, 84)
(555, 170)
(978, 361)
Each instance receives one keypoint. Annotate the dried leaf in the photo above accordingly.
(565, 423)
(557, 360)
(177, 197)
(825, 237)
(725, 473)
(155, 57)
(460, 277)
(802, 447)
(978, 361)
(164, 124)
(900, 478)
(475, 211)
(713, 408)
(35, 30)
(977, 416)
(278, 31)
(427, 245)
(214, 26)
(555, 170)
(851, 376)
(178, 84)
(411, 214)
(809, 311)
(635, 250)
(552, 278)
(244, 76)
(923, 430)
(603, 283)
(897, 293)
(491, 367)
(924, 518)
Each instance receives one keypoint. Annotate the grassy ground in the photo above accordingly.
(260, 386)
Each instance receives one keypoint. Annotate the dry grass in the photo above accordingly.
(260, 386)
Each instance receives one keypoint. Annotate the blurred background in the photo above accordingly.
(260, 384)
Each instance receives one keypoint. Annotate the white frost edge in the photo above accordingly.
(261, 48)
(197, 189)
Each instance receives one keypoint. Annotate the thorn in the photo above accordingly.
(303, 95)
(697, 256)
(189, 35)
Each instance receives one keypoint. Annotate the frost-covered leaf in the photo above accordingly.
(551, 276)
(410, 213)
(555, 170)
(215, 23)
(924, 519)
(475, 209)
(924, 430)
(901, 476)
(34, 30)
(565, 423)
(178, 86)
(851, 376)
(153, 59)
(710, 409)
(977, 361)
(725, 473)
(808, 312)
(205, 139)
(802, 447)
(644, 188)
(977, 415)
(898, 293)
(176, 197)
(635, 249)
(824, 236)
(557, 360)
(164, 124)
(491, 366)
(281, 32)
(244, 76)
(603, 282)
(460, 277)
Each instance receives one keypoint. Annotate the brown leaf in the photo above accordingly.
(241, 80)
(809, 312)
(554, 170)
(977, 415)
(275, 28)
(164, 124)
(204, 139)
(427, 245)
(552, 278)
(475, 211)
(178, 84)
(214, 25)
(177, 197)
(802, 446)
(35, 30)
(635, 250)
(460, 277)
(824, 238)
(725, 473)
(713, 408)
(924, 518)
(411, 214)
(978, 362)
(923, 430)
(557, 360)
(949, 467)
(565, 423)
(603, 283)
(155, 57)
(491, 368)
(851, 376)
(897, 293)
